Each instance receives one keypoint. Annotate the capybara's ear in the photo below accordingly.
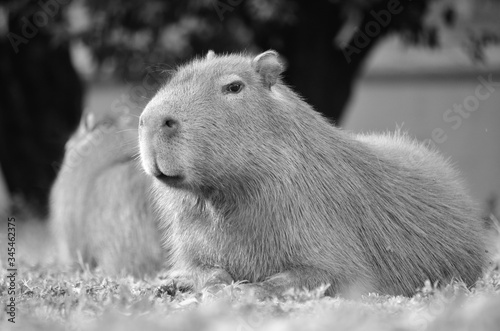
(210, 55)
(268, 66)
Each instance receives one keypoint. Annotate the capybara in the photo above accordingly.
(101, 211)
(256, 186)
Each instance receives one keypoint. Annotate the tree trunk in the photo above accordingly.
(40, 105)
(317, 68)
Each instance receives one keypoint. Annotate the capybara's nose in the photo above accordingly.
(170, 126)
(167, 124)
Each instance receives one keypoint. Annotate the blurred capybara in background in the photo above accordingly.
(101, 212)
(257, 186)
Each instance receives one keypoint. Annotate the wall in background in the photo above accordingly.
(415, 88)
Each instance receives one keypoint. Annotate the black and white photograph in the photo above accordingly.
(250, 165)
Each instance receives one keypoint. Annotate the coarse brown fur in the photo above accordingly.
(101, 210)
(257, 186)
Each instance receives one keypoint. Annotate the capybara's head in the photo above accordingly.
(101, 140)
(217, 122)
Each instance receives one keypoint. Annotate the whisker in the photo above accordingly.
(137, 156)
(126, 130)
(133, 141)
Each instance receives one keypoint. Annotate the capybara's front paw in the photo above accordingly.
(216, 280)
(217, 277)
(214, 288)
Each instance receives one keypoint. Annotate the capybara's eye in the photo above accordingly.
(234, 87)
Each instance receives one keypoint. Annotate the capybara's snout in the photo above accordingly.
(158, 123)
(158, 131)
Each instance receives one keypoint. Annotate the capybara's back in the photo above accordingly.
(426, 225)
(101, 213)
(258, 186)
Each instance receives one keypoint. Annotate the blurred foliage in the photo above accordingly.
(124, 36)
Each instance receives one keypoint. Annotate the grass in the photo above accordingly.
(49, 297)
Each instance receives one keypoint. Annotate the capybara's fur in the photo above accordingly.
(257, 186)
(101, 211)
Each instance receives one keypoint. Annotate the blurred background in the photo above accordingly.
(431, 67)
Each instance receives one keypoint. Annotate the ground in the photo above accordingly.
(48, 297)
